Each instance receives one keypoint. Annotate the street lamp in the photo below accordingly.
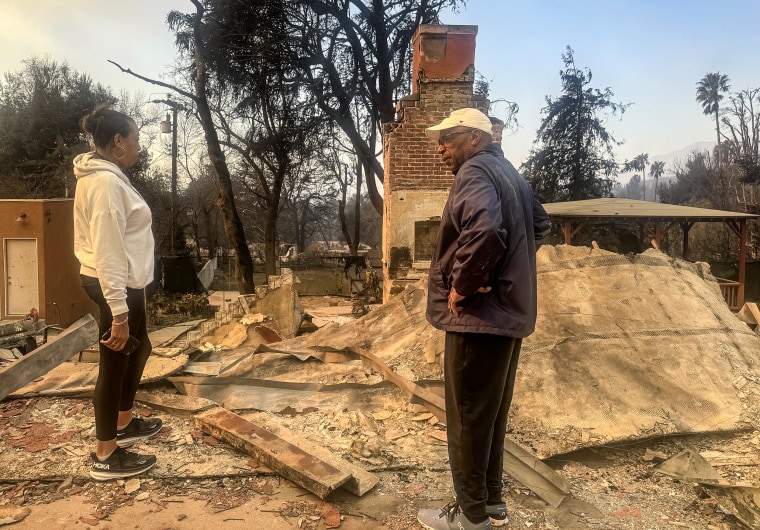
(170, 125)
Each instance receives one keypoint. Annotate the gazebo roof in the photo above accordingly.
(610, 209)
(572, 215)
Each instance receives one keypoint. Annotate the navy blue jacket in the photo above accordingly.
(491, 227)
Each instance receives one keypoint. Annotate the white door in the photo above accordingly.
(21, 272)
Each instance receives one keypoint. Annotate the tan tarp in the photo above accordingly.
(630, 347)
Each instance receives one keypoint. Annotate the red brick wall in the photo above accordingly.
(411, 158)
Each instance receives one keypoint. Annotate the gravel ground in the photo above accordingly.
(200, 482)
(45, 442)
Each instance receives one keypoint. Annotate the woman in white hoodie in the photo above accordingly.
(114, 244)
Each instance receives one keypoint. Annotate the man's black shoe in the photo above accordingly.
(120, 464)
(138, 429)
(498, 513)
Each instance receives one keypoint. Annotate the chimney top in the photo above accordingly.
(442, 52)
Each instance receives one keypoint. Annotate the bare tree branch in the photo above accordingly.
(174, 88)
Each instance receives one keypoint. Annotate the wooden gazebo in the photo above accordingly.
(657, 218)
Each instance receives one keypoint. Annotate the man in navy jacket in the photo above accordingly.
(482, 292)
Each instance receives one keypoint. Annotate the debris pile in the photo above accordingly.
(627, 348)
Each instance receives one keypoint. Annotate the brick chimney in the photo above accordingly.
(416, 181)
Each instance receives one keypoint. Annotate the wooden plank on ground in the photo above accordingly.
(75, 338)
(288, 460)
(361, 480)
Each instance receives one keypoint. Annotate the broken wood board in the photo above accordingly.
(76, 337)
(176, 404)
(361, 482)
(287, 459)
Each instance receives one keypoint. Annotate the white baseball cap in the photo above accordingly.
(466, 117)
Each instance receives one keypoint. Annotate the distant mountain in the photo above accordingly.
(681, 155)
(670, 159)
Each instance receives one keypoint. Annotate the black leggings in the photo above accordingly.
(118, 375)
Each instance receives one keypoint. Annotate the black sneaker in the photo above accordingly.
(498, 513)
(450, 517)
(120, 464)
(138, 429)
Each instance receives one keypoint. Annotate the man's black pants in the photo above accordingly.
(479, 376)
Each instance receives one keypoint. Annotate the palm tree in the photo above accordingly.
(657, 170)
(639, 163)
(710, 90)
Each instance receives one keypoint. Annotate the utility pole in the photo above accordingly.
(172, 126)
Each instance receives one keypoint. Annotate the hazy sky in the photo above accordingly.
(649, 52)
(89, 33)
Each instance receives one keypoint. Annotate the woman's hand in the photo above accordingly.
(119, 333)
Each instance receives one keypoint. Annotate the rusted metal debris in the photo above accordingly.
(740, 499)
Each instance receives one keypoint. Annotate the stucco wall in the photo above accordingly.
(60, 298)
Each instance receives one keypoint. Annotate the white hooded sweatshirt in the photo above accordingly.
(113, 240)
